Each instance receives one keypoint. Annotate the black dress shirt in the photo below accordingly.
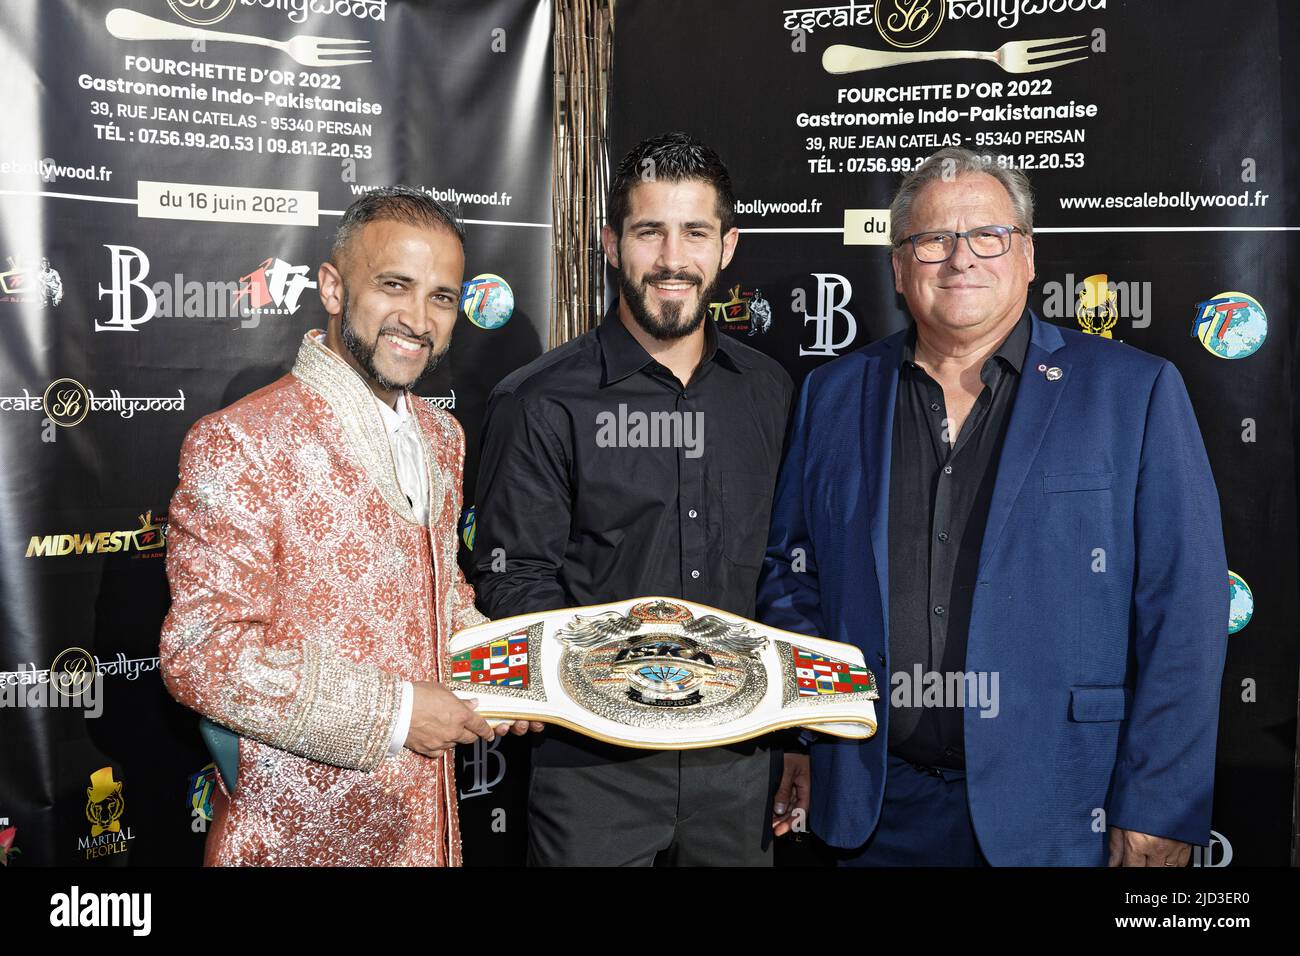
(588, 493)
(939, 499)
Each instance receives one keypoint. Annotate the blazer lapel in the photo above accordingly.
(1036, 401)
(880, 392)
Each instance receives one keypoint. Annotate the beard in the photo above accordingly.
(364, 352)
(670, 323)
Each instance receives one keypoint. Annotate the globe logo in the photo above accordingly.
(1232, 325)
(666, 675)
(488, 301)
(1241, 603)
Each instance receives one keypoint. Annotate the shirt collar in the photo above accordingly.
(624, 355)
(1012, 351)
(394, 419)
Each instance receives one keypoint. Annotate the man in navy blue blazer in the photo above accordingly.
(1018, 526)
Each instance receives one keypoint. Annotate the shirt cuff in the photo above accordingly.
(402, 726)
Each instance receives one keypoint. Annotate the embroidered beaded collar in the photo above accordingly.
(353, 403)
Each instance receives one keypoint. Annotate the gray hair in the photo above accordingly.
(949, 163)
(395, 204)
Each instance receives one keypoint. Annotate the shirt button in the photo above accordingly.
(934, 406)
(693, 513)
(947, 469)
(695, 574)
(943, 535)
(938, 609)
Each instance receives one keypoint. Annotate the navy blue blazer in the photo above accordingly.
(1101, 598)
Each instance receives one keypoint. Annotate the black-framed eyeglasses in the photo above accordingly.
(987, 242)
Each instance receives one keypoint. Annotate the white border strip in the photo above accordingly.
(44, 194)
(471, 222)
(1167, 229)
(320, 212)
(839, 229)
(1050, 229)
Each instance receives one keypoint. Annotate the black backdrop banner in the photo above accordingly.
(1163, 158)
(169, 186)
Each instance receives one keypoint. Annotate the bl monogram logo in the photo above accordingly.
(486, 766)
(833, 294)
(129, 268)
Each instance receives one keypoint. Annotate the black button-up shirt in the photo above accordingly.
(939, 499)
(602, 478)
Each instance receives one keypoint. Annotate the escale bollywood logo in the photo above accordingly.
(202, 13)
(909, 23)
(66, 402)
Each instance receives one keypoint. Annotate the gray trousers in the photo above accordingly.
(709, 807)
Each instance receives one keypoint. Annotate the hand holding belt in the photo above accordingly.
(662, 674)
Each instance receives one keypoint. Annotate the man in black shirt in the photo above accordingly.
(640, 459)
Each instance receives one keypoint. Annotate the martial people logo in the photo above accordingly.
(21, 283)
(202, 13)
(1232, 325)
(1096, 309)
(746, 312)
(833, 294)
(488, 301)
(66, 402)
(273, 288)
(105, 805)
(1241, 602)
(908, 23)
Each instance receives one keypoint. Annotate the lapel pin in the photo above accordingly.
(1042, 368)
(1053, 373)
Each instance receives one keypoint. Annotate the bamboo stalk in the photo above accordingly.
(582, 55)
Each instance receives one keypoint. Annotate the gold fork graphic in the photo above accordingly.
(1017, 56)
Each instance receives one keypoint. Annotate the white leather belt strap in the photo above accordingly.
(662, 674)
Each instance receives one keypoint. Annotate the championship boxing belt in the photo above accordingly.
(662, 674)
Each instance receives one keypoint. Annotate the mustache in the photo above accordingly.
(406, 334)
(666, 276)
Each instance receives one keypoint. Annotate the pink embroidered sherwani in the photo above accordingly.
(304, 591)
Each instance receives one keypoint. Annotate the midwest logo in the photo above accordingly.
(146, 540)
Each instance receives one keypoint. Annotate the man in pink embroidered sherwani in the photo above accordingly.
(312, 563)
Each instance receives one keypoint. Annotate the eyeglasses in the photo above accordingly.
(987, 242)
